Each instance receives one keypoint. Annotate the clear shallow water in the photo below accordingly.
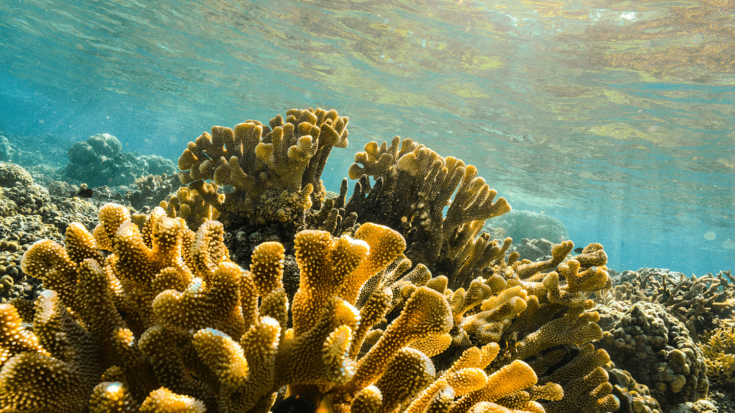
(616, 117)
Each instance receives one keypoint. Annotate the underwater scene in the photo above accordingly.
(367, 206)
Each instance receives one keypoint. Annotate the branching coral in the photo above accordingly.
(167, 323)
(197, 204)
(718, 348)
(518, 308)
(165, 320)
(155, 312)
(698, 302)
(274, 170)
(413, 185)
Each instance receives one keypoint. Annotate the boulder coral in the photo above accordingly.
(100, 160)
(657, 349)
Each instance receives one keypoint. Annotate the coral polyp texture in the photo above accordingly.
(656, 348)
(413, 185)
(144, 314)
(274, 169)
(718, 348)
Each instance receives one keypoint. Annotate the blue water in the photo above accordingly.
(614, 117)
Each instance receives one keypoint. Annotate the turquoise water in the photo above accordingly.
(615, 117)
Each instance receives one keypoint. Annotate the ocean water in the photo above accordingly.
(616, 117)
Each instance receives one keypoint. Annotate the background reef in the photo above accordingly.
(242, 281)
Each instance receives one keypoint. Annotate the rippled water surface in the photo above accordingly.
(615, 116)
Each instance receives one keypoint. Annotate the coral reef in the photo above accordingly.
(718, 348)
(524, 311)
(151, 190)
(195, 204)
(533, 250)
(701, 303)
(100, 160)
(656, 348)
(35, 200)
(12, 175)
(34, 151)
(634, 397)
(275, 170)
(17, 234)
(392, 300)
(413, 186)
(168, 317)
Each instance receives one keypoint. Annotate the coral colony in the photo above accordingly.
(393, 300)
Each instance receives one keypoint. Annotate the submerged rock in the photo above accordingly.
(531, 225)
(101, 161)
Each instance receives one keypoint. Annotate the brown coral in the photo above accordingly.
(428, 181)
(150, 317)
(275, 170)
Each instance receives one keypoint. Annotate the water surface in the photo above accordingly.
(614, 116)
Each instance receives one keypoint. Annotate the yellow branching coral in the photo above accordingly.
(165, 401)
(578, 283)
(506, 381)
(275, 170)
(575, 327)
(196, 204)
(385, 245)
(266, 267)
(526, 316)
(718, 348)
(50, 262)
(160, 311)
(558, 253)
(428, 180)
(325, 263)
(164, 320)
(585, 383)
(99, 291)
(376, 161)
(14, 339)
(406, 374)
(495, 315)
(426, 313)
